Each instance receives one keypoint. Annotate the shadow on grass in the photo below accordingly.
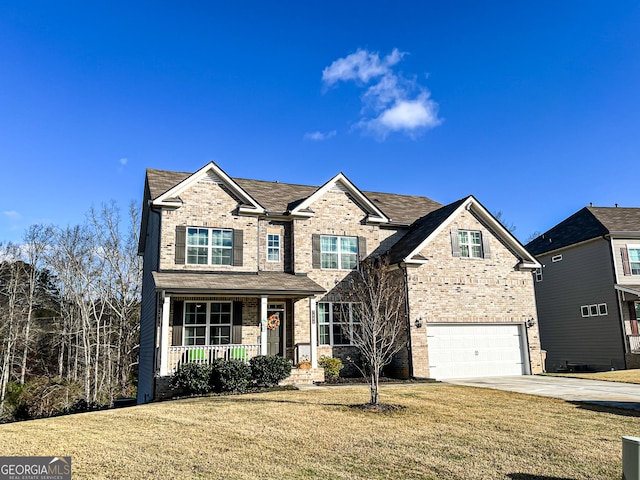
(529, 476)
(625, 409)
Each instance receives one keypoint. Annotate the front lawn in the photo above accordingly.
(625, 376)
(445, 432)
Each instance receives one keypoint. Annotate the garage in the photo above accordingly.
(466, 351)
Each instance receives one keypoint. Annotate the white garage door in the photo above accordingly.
(465, 351)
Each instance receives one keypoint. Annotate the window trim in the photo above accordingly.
(538, 274)
(339, 252)
(330, 323)
(584, 309)
(210, 246)
(594, 310)
(274, 248)
(556, 258)
(600, 309)
(209, 325)
(633, 246)
(470, 245)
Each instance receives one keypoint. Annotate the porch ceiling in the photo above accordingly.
(260, 283)
(632, 289)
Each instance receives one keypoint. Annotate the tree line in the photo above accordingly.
(69, 314)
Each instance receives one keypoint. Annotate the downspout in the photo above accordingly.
(407, 316)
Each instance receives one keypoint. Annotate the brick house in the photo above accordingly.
(235, 268)
(588, 289)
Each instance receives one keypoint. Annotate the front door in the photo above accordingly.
(275, 327)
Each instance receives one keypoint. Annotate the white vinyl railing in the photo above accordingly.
(634, 343)
(207, 353)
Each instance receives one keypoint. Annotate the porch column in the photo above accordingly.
(313, 333)
(263, 325)
(164, 337)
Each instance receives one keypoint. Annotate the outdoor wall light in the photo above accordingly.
(530, 323)
(418, 322)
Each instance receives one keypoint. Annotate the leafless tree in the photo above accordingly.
(379, 296)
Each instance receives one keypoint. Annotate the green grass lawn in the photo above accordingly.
(444, 432)
(625, 376)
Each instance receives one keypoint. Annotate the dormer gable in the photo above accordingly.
(213, 174)
(424, 230)
(341, 183)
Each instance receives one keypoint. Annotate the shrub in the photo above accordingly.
(229, 376)
(331, 365)
(192, 378)
(268, 371)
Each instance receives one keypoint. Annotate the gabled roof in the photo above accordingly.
(375, 215)
(586, 224)
(421, 233)
(279, 198)
(171, 196)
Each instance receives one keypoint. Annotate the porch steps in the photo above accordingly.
(304, 377)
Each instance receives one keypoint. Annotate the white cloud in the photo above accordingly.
(391, 102)
(123, 161)
(12, 215)
(318, 136)
(362, 65)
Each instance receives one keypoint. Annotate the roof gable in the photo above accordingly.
(424, 230)
(341, 182)
(211, 173)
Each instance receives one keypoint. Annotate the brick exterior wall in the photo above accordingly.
(451, 289)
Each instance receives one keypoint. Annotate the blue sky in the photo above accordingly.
(533, 107)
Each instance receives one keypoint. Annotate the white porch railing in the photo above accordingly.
(634, 343)
(207, 353)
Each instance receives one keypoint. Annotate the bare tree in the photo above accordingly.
(380, 331)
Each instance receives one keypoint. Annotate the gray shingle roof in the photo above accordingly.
(228, 282)
(279, 198)
(585, 224)
(420, 230)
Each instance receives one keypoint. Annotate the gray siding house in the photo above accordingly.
(588, 290)
(235, 268)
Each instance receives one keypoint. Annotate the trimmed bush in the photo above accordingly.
(331, 365)
(230, 376)
(268, 370)
(192, 378)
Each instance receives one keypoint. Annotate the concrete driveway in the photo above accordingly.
(610, 394)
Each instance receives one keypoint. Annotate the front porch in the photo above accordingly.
(206, 354)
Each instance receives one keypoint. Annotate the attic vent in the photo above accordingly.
(338, 187)
(211, 177)
(556, 258)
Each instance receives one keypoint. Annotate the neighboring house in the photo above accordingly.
(588, 290)
(235, 268)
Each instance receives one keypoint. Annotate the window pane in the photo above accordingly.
(222, 238)
(463, 237)
(221, 256)
(476, 251)
(349, 244)
(340, 336)
(634, 254)
(198, 236)
(464, 250)
(323, 312)
(323, 335)
(220, 335)
(328, 244)
(197, 255)
(349, 261)
(329, 260)
(476, 238)
(195, 314)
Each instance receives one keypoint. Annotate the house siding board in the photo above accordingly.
(583, 277)
(448, 289)
(149, 312)
(207, 204)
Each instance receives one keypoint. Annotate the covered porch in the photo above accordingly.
(206, 316)
(629, 298)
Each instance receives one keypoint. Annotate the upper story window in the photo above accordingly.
(538, 274)
(470, 242)
(273, 247)
(337, 322)
(339, 253)
(209, 246)
(630, 259)
(634, 260)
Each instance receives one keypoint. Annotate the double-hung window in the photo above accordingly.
(207, 323)
(470, 243)
(209, 246)
(273, 247)
(338, 253)
(634, 259)
(337, 322)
